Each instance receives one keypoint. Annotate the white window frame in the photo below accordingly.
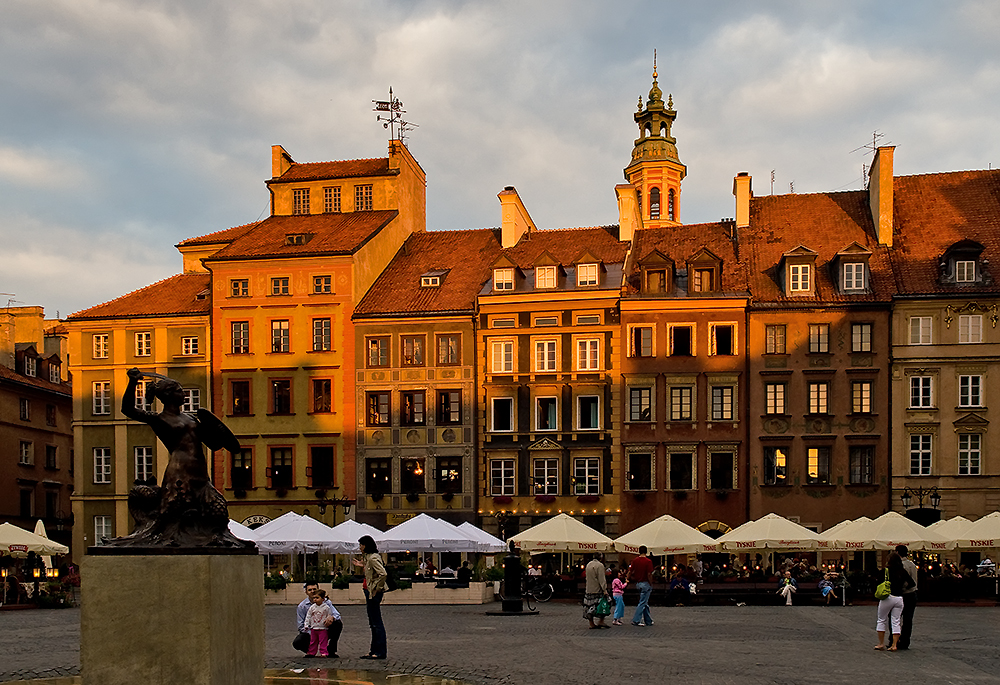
(545, 277)
(54, 376)
(143, 344)
(192, 400)
(300, 201)
(281, 336)
(103, 528)
(774, 398)
(507, 470)
(924, 387)
(538, 413)
(101, 347)
(241, 344)
(819, 397)
(775, 338)
(25, 453)
(637, 353)
(965, 271)
(920, 330)
(281, 286)
(970, 452)
(579, 412)
(102, 398)
(503, 279)
(189, 345)
(854, 276)
(102, 465)
(545, 475)
(799, 278)
(861, 337)
(586, 274)
(588, 354)
(30, 367)
(921, 454)
(502, 358)
(512, 414)
(144, 464)
(970, 390)
(322, 334)
(546, 356)
(970, 328)
(586, 475)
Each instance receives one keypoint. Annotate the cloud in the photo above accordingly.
(38, 169)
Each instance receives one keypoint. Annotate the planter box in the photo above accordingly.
(420, 593)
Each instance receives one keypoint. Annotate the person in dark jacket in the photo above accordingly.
(890, 609)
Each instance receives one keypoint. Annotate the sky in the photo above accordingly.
(127, 126)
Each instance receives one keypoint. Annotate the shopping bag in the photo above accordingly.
(603, 607)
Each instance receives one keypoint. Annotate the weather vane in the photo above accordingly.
(393, 117)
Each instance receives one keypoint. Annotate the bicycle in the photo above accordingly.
(531, 592)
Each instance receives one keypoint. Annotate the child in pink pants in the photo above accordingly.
(315, 623)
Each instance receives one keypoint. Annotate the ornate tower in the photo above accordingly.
(656, 171)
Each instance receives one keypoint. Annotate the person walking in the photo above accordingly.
(334, 624)
(596, 590)
(909, 598)
(641, 573)
(374, 586)
(618, 592)
(891, 608)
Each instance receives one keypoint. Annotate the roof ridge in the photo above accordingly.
(820, 192)
(335, 161)
(133, 292)
(247, 225)
(947, 173)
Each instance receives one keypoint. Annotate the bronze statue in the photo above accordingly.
(186, 511)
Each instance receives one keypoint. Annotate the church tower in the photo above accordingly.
(656, 171)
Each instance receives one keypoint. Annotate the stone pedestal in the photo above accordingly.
(172, 620)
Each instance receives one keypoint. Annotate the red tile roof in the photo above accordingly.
(180, 295)
(349, 168)
(224, 236)
(566, 244)
(467, 256)
(9, 375)
(681, 243)
(331, 234)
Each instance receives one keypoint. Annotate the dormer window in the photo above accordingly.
(503, 279)
(430, 281)
(656, 281)
(30, 367)
(965, 271)
(54, 373)
(586, 274)
(297, 238)
(545, 277)
(854, 276)
(702, 280)
(963, 264)
(799, 278)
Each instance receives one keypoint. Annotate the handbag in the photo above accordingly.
(884, 588)
(603, 607)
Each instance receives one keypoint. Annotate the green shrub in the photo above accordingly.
(494, 572)
(341, 582)
(274, 582)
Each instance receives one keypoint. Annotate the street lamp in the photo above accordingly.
(325, 501)
(930, 494)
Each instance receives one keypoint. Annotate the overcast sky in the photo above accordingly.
(127, 126)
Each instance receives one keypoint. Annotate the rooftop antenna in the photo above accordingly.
(772, 181)
(392, 119)
(791, 187)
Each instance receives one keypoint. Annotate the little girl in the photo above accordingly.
(618, 592)
(315, 623)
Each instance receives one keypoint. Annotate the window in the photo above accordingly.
(281, 397)
(640, 471)
(322, 337)
(449, 351)
(798, 278)
(774, 398)
(920, 392)
(861, 397)
(654, 203)
(189, 345)
(589, 320)
(378, 476)
(640, 404)
(102, 529)
(546, 476)
(920, 455)
(411, 476)
(192, 400)
(723, 339)
(503, 323)
(775, 339)
(430, 281)
(503, 356)
(586, 274)
(965, 271)
(281, 468)
(681, 399)
(862, 464)
(378, 352)
(861, 337)
(721, 470)
(818, 466)
(501, 477)
(589, 412)
(656, 281)
(702, 280)
(143, 464)
(969, 451)
(143, 344)
(101, 346)
(102, 465)
(27, 503)
(776, 466)
(140, 397)
(240, 391)
(25, 409)
(970, 391)
(680, 341)
(242, 469)
(503, 279)
(363, 198)
(449, 406)
(378, 409)
(682, 471)
(587, 476)
(970, 328)
(239, 287)
(547, 321)
(54, 373)
(241, 337)
(30, 366)
(322, 285)
(587, 355)
(818, 398)
(413, 350)
(819, 338)
(280, 336)
(449, 474)
(920, 330)
(641, 341)
(51, 504)
(854, 276)
(26, 453)
(322, 395)
(546, 414)
(300, 201)
(321, 466)
(545, 277)
(411, 409)
(503, 414)
(279, 286)
(331, 199)
(671, 205)
(102, 398)
(545, 355)
(50, 414)
(722, 403)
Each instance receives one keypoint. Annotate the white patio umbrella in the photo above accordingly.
(562, 533)
(488, 543)
(275, 524)
(18, 542)
(40, 531)
(303, 534)
(424, 533)
(345, 536)
(666, 535)
(241, 531)
(984, 533)
(951, 529)
(830, 543)
(891, 529)
(769, 532)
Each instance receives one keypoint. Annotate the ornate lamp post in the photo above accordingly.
(921, 514)
(325, 501)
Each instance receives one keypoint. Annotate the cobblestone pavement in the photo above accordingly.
(715, 645)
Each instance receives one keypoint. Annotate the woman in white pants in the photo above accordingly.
(891, 608)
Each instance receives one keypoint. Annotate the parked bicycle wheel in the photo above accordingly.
(542, 592)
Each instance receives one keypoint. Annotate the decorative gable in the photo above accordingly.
(962, 265)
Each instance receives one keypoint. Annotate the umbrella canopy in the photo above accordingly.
(275, 524)
(666, 535)
(982, 534)
(770, 532)
(891, 529)
(302, 534)
(18, 542)
(829, 542)
(488, 543)
(40, 531)
(562, 533)
(241, 531)
(424, 533)
(345, 536)
(951, 529)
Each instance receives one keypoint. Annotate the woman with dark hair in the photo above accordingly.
(891, 608)
(374, 587)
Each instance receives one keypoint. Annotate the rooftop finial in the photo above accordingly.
(670, 101)
(654, 64)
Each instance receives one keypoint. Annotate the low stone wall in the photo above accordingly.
(419, 593)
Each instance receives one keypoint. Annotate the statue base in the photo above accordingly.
(172, 620)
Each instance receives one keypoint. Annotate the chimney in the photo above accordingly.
(629, 220)
(880, 194)
(743, 190)
(281, 161)
(514, 218)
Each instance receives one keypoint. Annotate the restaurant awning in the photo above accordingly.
(769, 532)
(562, 533)
(666, 535)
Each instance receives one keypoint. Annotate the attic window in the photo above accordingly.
(30, 366)
(656, 281)
(586, 274)
(545, 277)
(703, 280)
(503, 279)
(430, 281)
(203, 295)
(965, 271)
(854, 276)
(799, 278)
(297, 238)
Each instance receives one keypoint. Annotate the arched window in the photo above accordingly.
(671, 206)
(654, 203)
